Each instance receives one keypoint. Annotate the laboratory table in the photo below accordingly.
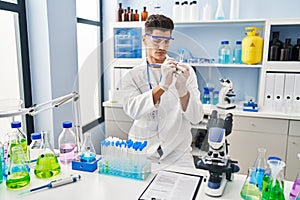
(105, 187)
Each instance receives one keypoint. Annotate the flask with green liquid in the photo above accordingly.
(47, 165)
(18, 176)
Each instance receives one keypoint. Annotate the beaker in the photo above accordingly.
(275, 187)
(250, 189)
(47, 165)
(18, 176)
(88, 151)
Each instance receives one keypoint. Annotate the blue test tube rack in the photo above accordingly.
(124, 159)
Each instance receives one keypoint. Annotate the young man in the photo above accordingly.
(162, 97)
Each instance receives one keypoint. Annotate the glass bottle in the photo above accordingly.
(260, 166)
(18, 176)
(47, 165)
(36, 146)
(136, 16)
(215, 100)
(250, 189)
(295, 191)
(275, 47)
(220, 12)
(157, 7)
(296, 51)
(119, 13)
(67, 144)
(144, 14)
(88, 151)
(224, 52)
(286, 51)
(16, 126)
(237, 53)
(206, 96)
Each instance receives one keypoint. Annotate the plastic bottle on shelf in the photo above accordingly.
(194, 11)
(215, 100)
(234, 9)
(275, 47)
(157, 7)
(296, 51)
(119, 13)
(252, 46)
(144, 14)
(176, 12)
(185, 11)
(237, 53)
(224, 52)
(67, 144)
(295, 191)
(220, 12)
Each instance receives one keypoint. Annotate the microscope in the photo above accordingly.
(226, 95)
(217, 160)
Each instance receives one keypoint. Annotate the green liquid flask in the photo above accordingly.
(16, 126)
(18, 176)
(250, 191)
(47, 165)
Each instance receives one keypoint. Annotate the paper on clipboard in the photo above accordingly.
(172, 185)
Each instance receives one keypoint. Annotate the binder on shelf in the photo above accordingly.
(117, 75)
(278, 92)
(296, 99)
(288, 92)
(269, 91)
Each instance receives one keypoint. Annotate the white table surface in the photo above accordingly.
(105, 187)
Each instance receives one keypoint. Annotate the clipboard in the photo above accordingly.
(172, 185)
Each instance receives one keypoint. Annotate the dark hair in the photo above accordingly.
(158, 22)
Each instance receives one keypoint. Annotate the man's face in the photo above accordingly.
(157, 44)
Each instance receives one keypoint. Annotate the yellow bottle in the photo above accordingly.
(252, 46)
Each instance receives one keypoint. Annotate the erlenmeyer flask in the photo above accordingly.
(47, 165)
(18, 176)
(275, 185)
(88, 151)
(250, 189)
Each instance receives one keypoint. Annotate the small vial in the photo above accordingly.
(144, 14)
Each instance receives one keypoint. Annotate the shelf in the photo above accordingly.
(283, 66)
(246, 22)
(225, 65)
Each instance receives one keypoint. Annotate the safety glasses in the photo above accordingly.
(159, 40)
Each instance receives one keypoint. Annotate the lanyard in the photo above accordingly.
(148, 77)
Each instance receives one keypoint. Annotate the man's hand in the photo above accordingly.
(182, 76)
(168, 68)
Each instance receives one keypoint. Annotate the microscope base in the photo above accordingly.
(216, 192)
(226, 106)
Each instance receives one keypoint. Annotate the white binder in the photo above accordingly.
(278, 92)
(269, 91)
(296, 98)
(117, 76)
(288, 92)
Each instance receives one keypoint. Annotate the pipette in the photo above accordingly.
(55, 183)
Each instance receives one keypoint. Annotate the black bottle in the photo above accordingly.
(286, 51)
(296, 51)
(274, 47)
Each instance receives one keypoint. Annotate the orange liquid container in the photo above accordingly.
(252, 47)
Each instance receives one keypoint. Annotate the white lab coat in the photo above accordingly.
(164, 124)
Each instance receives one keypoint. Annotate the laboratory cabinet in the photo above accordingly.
(250, 133)
(293, 148)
